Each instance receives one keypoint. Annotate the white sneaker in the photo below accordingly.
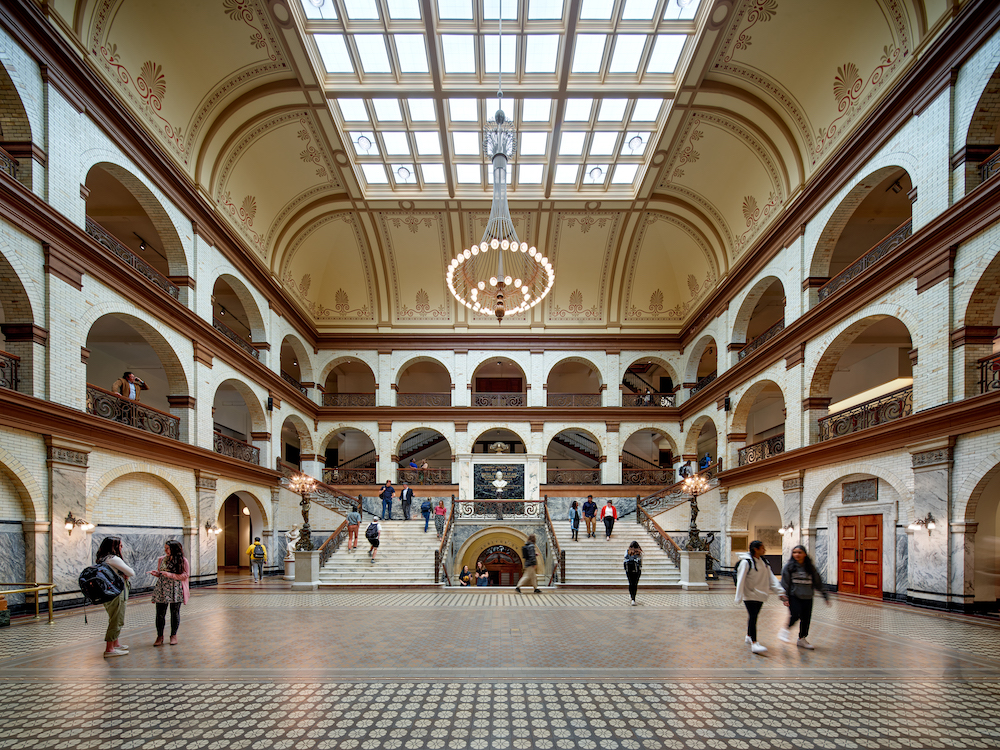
(115, 652)
(746, 639)
(633, 602)
(758, 648)
(784, 635)
(803, 643)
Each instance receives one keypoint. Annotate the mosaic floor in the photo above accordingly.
(265, 668)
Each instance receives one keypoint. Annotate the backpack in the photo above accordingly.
(258, 551)
(100, 583)
(371, 533)
(528, 551)
(425, 506)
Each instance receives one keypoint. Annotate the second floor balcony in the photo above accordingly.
(108, 405)
(126, 256)
(350, 399)
(887, 408)
(570, 400)
(761, 451)
(10, 370)
(234, 448)
(499, 400)
(989, 373)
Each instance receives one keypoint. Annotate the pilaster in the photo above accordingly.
(69, 549)
(205, 568)
(791, 485)
(929, 556)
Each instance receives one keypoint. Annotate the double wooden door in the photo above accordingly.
(859, 548)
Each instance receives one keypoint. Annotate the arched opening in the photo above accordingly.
(349, 382)
(649, 382)
(235, 315)
(648, 458)
(125, 217)
(499, 382)
(761, 318)
(424, 457)
(15, 510)
(15, 133)
(756, 517)
(349, 458)
(234, 421)
(981, 154)
(703, 367)
(17, 334)
(240, 520)
(573, 457)
(874, 218)
(492, 440)
(294, 364)
(864, 379)
(574, 382)
(498, 547)
(986, 562)
(502, 563)
(701, 448)
(423, 382)
(761, 415)
(291, 443)
(980, 343)
(119, 344)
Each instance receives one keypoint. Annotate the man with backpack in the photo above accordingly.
(425, 510)
(386, 495)
(258, 556)
(530, 566)
(372, 534)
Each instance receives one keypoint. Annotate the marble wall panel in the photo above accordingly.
(373, 506)
(928, 558)
(902, 550)
(142, 547)
(70, 552)
(821, 554)
(12, 567)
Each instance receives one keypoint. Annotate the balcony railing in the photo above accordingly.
(289, 379)
(649, 399)
(423, 399)
(430, 475)
(229, 446)
(125, 255)
(573, 399)
(647, 476)
(230, 334)
(351, 476)
(879, 410)
(498, 509)
(8, 164)
(499, 399)
(751, 454)
(704, 381)
(990, 167)
(989, 373)
(348, 399)
(867, 260)
(755, 343)
(573, 476)
(108, 405)
(10, 370)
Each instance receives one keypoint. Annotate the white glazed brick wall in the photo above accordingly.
(969, 86)
(136, 499)
(975, 455)
(326, 361)
(13, 507)
(108, 472)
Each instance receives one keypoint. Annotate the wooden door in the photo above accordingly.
(859, 555)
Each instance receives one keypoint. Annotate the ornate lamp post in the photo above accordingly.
(303, 484)
(695, 485)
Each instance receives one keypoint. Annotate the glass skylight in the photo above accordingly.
(422, 110)
(364, 143)
(361, 10)
(680, 10)
(533, 144)
(371, 50)
(460, 10)
(428, 142)
(387, 110)
(491, 10)
(589, 53)
(403, 174)
(353, 110)
(403, 9)
(624, 174)
(463, 110)
(666, 53)
(374, 174)
(612, 110)
(542, 52)
(639, 10)
(326, 9)
(333, 50)
(571, 143)
(536, 110)
(628, 51)
(566, 174)
(543, 10)
(494, 50)
(459, 53)
(597, 10)
(396, 143)
(466, 144)
(412, 53)
(646, 110)
(433, 174)
(578, 110)
(603, 143)
(635, 143)
(594, 174)
(529, 174)
(469, 174)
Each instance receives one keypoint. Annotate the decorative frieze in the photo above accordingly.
(931, 458)
(204, 483)
(861, 491)
(794, 484)
(67, 456)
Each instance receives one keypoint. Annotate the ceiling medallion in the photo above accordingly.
(501, 274)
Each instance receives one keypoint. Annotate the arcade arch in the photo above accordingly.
(648, 457)
(348, 382)
(703, 365)
(573, 456)
(652, 376)
(574, 381)
(423, 381)
(756, 516)
(761, 315)
(349, 457)
(235, 313)
(294, 364)
(500, 381)
(241, 519)
(760, 414)
(16, 339)
(430, 451)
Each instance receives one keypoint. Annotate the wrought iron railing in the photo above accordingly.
(365, 460)
(672, 496)
(636, 382)
(573, 399)
(990, 167)
(704, 381)
(443, 554)
(108, 405)
(348, 399)
(869, 259)
(332, 543)
(573, 476)
(418, 442)
(230, 334)
(499, 399)
(430, 475)
(758, 341)
(581, 443)
(647, 476)
(751, 454)
(10, 370)
(661, 537)
(498, 509)
(230, 446)
(632, 461)
(351, 476)
(130, 259)
(423, 399)
(879, 410)
(289, 379)
(559, 555)
(649, 399)
(989, 373)
(8, 164)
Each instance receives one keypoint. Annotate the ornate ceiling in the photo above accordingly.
(736, 104)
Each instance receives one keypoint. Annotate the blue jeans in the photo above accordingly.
(427, 519)
(386, 509)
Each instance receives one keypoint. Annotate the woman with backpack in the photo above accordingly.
(171, 589)
(754, 581)
(800, 579)
(110, 553)
(633, 569)
(372, 534)
(439, 511)
(574, 521)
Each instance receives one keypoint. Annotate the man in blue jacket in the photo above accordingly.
(386, 495)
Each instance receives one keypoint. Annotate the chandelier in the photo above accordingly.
(501, 274)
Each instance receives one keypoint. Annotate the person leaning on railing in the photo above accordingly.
(128, 386)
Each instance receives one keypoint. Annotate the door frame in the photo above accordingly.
(889, 513)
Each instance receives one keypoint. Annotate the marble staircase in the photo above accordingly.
(405, 558)
(597, 562)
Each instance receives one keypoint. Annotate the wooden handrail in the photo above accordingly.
(560, 559)
(8, 355)
(337, 537)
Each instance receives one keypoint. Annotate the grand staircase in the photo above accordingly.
(596, 562)
(405, 557)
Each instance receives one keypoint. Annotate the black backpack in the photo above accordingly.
(100, 583)
(371, 533)
(258, 551)
(425, 506)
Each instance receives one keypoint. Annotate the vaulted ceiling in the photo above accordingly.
(337, 137)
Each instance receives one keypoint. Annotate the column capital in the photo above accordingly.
(931, 454)
(205, 481)
(66, 452)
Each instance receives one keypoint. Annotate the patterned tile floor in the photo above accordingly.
(269, 669)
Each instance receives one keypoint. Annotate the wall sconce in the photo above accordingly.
(72, 522)
(923, 523)
(787, 529)
(212, 528)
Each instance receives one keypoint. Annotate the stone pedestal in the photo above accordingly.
(289, 569)
(306, 570)
(693, 570)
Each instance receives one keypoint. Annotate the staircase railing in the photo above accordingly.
(633, 461)
(637, 383)
(559, 556)
(364, 461)
(442, 555)
(332, 543)
(415, 443)
(324, 495)
(661, 537)
(670, 497)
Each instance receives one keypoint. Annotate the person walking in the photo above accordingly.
(633, 569)
(439, 512)
(530, 555)
(257, 553)
(425, 510)
(574, 520)
(110, 553)
(609, 514)
(799, 579)
(590, 516)
(372, 534)
(171, 589)
(353, 523)
(405, 499)
(386, 495)
(482, 575)
(754, 581)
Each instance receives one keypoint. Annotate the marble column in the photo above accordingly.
(69, 550)
(791, 513)
(312, 465)
(929, 556)
(963, 564)
(36, 553)
(611, 470)
(206, 570)
(725, 548)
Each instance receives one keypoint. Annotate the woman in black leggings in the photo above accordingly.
(754, 581)
(633, 569)
(800, 579)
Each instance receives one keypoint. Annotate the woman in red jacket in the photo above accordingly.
(608, 515)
